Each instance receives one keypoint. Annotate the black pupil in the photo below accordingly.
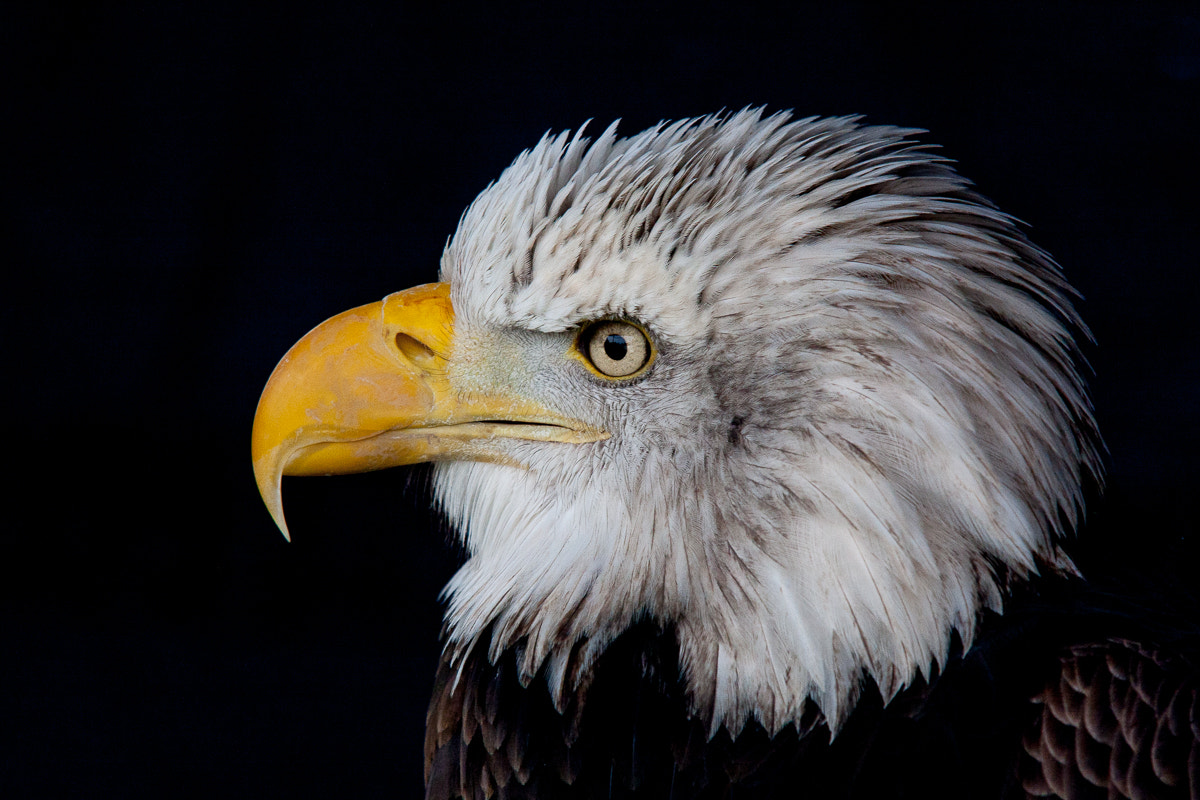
(615, 347)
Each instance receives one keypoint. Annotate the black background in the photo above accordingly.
(191, 190)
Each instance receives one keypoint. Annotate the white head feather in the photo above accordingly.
(865, 415)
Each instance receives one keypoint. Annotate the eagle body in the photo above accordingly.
(627, 732)
(746, 423)
(1050, 702)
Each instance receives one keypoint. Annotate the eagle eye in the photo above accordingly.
(615, 348)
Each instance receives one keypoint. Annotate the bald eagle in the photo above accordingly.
(746, 424)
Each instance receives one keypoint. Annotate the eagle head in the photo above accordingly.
(788, 387)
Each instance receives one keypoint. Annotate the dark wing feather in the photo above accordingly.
(1119, 721)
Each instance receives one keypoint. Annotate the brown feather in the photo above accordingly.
(1129, 715)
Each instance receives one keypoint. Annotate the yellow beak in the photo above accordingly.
(371, 388)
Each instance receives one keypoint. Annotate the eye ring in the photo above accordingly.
(615, 349)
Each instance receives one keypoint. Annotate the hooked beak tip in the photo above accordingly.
(269, 476)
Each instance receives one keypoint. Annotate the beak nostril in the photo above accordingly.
(414, 349)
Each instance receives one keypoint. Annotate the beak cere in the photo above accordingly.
(371, 388)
